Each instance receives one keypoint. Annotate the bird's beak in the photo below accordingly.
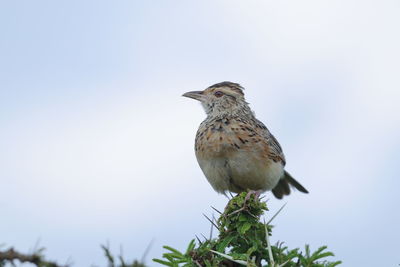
(198, 95)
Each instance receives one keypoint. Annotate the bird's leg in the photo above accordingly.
(256, 194)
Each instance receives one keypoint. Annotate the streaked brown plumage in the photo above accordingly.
(235, 151)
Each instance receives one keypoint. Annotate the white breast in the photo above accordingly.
(241, 171)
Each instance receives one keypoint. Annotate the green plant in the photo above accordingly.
(243, 240)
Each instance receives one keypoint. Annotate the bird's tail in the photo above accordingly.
(284, 184)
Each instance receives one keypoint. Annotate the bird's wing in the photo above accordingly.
(254, 136)
(275, 150)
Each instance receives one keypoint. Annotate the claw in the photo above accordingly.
(256, 194)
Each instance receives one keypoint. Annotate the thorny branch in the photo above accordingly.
(11, 255)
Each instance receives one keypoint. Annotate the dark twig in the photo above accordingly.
(212, 227)
(216, 210)
(211, 222)
(198, 239)
(11, 255)
(205, 238)
(147, 250)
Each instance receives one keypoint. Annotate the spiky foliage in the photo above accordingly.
(243, 240)
(11, 256)
(120, 261)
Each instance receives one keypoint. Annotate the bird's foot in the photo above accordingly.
(256, 194)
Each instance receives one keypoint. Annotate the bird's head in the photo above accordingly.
(221, 99)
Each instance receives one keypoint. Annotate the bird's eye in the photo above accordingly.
(218, 94)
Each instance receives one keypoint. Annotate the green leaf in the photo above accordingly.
(336, 263)
(173, 256)
(163, 262)
(242, 218)
(322, 255)
(244, 228)
(173, 250)
(191, 246)
(224, 243)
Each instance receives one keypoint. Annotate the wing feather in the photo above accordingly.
(275, 150)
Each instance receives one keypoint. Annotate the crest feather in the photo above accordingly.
(233, 86)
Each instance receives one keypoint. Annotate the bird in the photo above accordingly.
(236, 151)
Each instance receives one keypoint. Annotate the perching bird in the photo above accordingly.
(235, 151)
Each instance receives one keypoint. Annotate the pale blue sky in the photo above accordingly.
(96, 142)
